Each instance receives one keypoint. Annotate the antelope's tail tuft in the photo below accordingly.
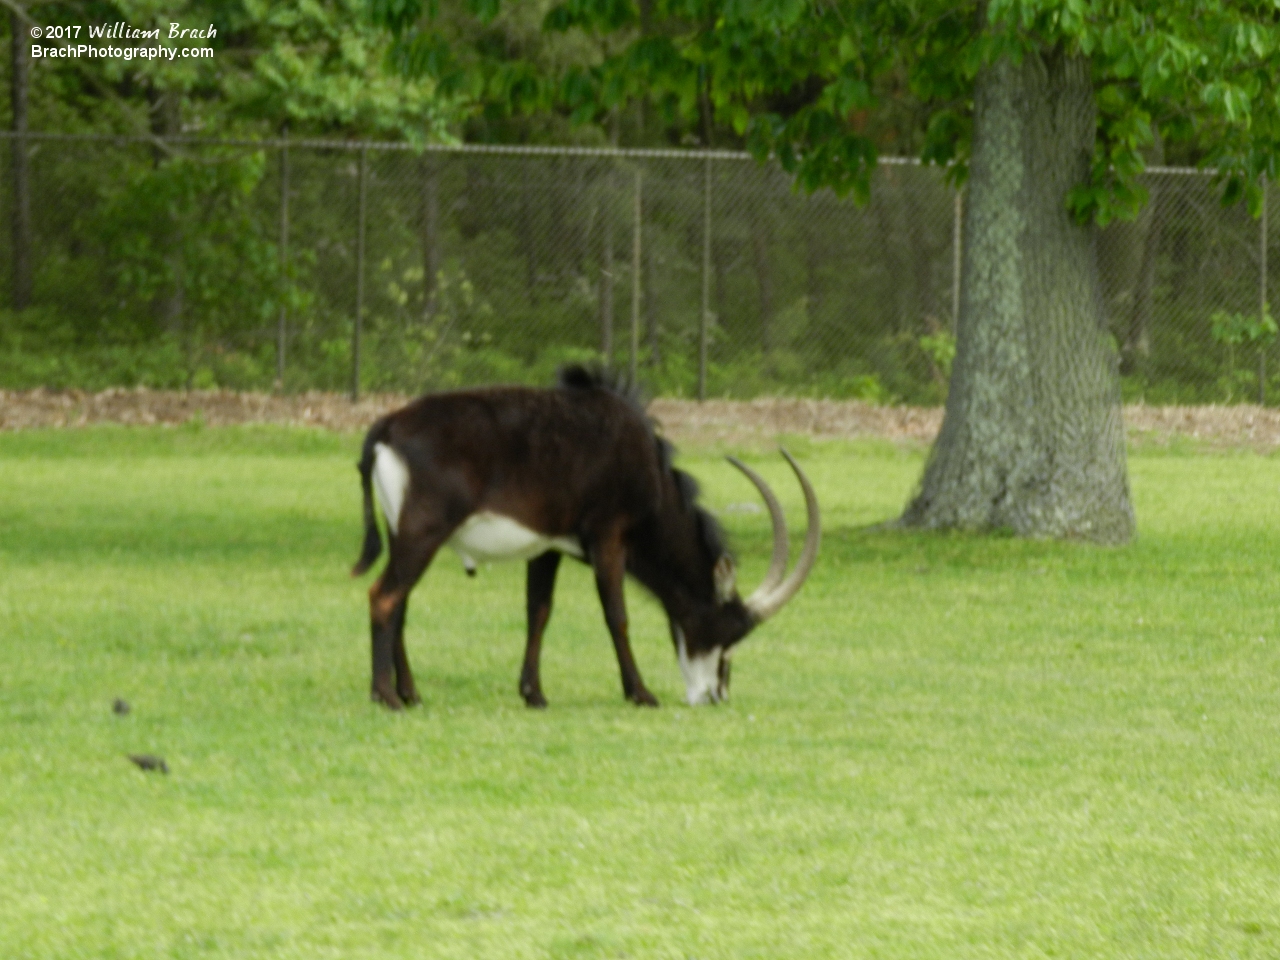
(372, 539)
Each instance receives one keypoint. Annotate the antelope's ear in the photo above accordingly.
(726, 579)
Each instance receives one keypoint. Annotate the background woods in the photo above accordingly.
(173, 263)
(163, 249)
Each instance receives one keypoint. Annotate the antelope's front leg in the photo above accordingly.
(539, 586)
(609, 562)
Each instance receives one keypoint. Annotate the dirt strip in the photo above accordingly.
(729, 422)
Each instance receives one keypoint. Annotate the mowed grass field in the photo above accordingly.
(947, 746)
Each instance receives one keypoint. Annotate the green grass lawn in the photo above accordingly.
(946, 746)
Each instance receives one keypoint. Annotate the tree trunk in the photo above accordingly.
(648, 300)
(919, 254)
(886, 211)
(813, 259)
(1127, 253)
(1032, 439)
(166, 121)
(1137, 342)
(430, 173)
(527, 244)
(19, 78)
(761, 242)
(606, 271)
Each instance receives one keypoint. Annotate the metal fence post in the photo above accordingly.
(284, 257)
(635, 277)
(430, 234)
(606, 269)
(355, 333)
(704, 316)
(1262, 294)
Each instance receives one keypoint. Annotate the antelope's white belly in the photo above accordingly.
(487, 536)
(483, 536)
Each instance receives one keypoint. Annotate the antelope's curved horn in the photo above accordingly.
(765, 606)
(781, 542)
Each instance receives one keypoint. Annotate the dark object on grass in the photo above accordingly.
(119, 707)
(524, 474)
(149, 762)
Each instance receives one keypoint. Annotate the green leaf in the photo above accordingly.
(851, 93)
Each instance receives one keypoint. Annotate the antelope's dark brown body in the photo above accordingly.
(535, 473)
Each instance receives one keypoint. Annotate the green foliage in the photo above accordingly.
(29, 360)
(161, 274)
(1235, 330)
(315, 66)
(801, 80)
(39, 349)
(179, 282)
(186, 229)
(322, 69)
(797, 78)
(941, 350)
(159, 265)
(1242, 328)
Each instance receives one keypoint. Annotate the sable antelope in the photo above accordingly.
(530, 474)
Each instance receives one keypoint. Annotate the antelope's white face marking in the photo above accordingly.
(701, 673)
(492, 536)
(391, 480)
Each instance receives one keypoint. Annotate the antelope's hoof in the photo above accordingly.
(388, 698)
(531, 691)
(643, 698)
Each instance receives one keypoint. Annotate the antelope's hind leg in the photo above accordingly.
(392, 683)
(539, 586)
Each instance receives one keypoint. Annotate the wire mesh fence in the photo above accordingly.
(348, 266)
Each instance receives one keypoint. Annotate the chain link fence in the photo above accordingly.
(349, 266)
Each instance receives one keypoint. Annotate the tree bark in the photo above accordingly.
(429, 167)
(1137, 342)
(166, 121)
(606, 271)
(648, 300)
(1032, 439)
(812, 271)
(1127, 252)
(761, 242)
(527, 244)
(21, 225)
(887, 211)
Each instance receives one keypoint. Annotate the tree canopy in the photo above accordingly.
(805, 80)
(318, 67)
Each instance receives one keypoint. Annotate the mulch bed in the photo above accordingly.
(730, 422)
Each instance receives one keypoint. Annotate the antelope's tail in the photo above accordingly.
(372, 539)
